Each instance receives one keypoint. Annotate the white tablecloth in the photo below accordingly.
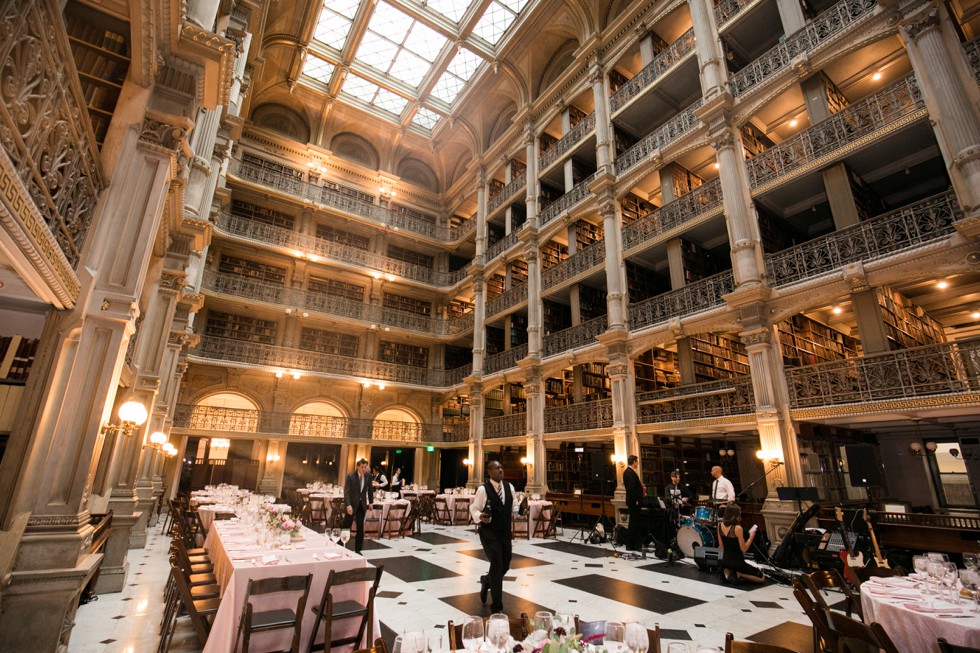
(534, 510)
(451, 503)
(411, 494)
(885, 601)
(236, 559)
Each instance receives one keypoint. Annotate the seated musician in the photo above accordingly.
(678, 497)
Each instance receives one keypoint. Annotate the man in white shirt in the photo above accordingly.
(380, 481)
(722, 490)
(492, 509)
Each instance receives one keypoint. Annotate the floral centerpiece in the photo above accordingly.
(279, 521)
(558, 641)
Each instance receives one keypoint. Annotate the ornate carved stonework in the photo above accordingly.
(758, 337)
(918, 24)
(163, 136)
(723, 141)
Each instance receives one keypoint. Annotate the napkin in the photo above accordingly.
(269, 560)
(918, 607)
(892, 581)
(896, 593)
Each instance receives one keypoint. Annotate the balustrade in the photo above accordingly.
(580, 261)
(504, 426)
(501, 246)
(944, 368)
(572, 337)
(922, 222)
(653, 71)
(510, 298)
(456, 432)
(691, 299)
(819, 32)
(729, 9)
(506, 193)
(697, 401)
(972, 50)
(578, 194)
(887, 107)
(505, 359)
(683, 123)
(579, 417)
(566, 142)
(686, 208)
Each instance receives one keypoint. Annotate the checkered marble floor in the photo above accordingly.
(434, 577)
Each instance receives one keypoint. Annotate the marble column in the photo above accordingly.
(531, 152)
(623, 389)
(535, 328)
(711, 60)
(476, 435)
(534, 392)
(615, 270)
(605, 149)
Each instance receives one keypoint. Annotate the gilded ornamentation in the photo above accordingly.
(162, 135)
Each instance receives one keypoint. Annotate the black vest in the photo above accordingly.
(500, 511)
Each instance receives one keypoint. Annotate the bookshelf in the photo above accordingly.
(455, 407)
(495, 340)
(545, 142)
(777, 234)
(494, 187)
(634, 208)
(575, 116)
(558, 390)
(591, 302)
(656, 369)
(580, 171)
(754, 141)
(334, 235)
(552, 254)
(595, 382)
(555, 316)
(252, 269)
(456, 357)
(616, 80)
(406, 303)
(643, 283)
(240, 327)
(518, 399)
(336, 288)
(16, 357)
(408, 256)
(624, 140)
(262, 214)
(458, 308)
(329, 342)
(518, 169)
(402, 353)
(398, 209)
(683, 180)
(587, 234)
(269, 165)
(518, 272)
(718, 356)
(807, 342)
(518, 329)
(693, 457)
(495, 286)
(100, 48)
(699, 263)
(907, 325)
(866, 201)
(589, 469)
(493, 402)
(518, 216)
(349, 191)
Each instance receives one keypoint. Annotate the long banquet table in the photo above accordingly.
(236, 559)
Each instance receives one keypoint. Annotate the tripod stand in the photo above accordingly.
(597, 534)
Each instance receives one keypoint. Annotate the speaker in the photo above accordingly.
(862, 465)
(707, 558)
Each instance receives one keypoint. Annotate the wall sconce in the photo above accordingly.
(770, 457)
(169, 450)
(377, 384)
(273, 458)
(386, 193)
(916, 448)
(316, 169)
(157, 439)
(726, 452)
(467, 462)
(617, 459)
(132, 415)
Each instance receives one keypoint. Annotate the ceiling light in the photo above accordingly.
(942, 285)
(876, 77)
(794, 122)
(975, 315)
(837, 310)
(717, 165)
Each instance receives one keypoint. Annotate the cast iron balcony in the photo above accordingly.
(567, 142)
(653, 71)
(579, 417)
(697, 401)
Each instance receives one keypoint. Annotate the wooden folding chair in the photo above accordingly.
(440, 512)
(855, 637)
(731, 646)
(395, 521)
(263, 621)
(379, 647)
(200, 612)
(946, 647)
(461, 511)
(819, 582)
(824, 639)
(329, 611)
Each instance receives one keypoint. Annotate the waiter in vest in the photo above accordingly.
(491, 509)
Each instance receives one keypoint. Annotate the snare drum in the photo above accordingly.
(685, 521)
(704, 514)
(693, 536)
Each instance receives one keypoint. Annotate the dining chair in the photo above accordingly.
(336, 512)
(172, 596)
(543, 525)
(374, 521)
(855, 636)
(395, 521)
(653, 635)
(455, 635)
(408, 524)
(440, 512)
(824, 639)
(731, 646)
(200, 612)
(461, 511)
(592, 632)
(263, 621)
(379, 647)
(329, 611)
(819, 582)
(946, 647)
(556, 524)
(519, 526)
(520, 627)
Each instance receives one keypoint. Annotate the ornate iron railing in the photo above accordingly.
(578, 194)
(683, 123)
(685, 208)
(505, 359)
(237, 420)
(254, 353)
(923, 222)
(579, 417)
(580, 261)
(689, 300)
(972, 50)
(697, 401)
(572, 337)
(566, 142)
(501, 246)
(506, 193)
(504, 426)
(329, 197)
(510, 298)
(456, 432)
(455, 376)
(819, 32)
(253, 230)
(944, 368)
(650, 73)
(728, 9)
(887, 107)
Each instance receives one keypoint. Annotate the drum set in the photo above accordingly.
(697, 530)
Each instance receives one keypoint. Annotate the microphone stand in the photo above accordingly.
(775, 465)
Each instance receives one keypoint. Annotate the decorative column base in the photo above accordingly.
(115, 566)
(779, 517)
(39, 607)
(145, 508)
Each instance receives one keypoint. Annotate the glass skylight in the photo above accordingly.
(497, 19)
(425, 118)
(334, 23)
(318, 69)
(459, 71)
(451, 9)
(398, 45)
(372, 94)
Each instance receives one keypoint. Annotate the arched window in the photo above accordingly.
(318, 419)
(396, 424)
(225, 411)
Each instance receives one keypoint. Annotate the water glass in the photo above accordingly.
(345, 536)
(970, 578)
(949, 579)
(565, 620)
(921, 566)
(413, 641)
(678, 647)
(614, 638)
(938, 557)
(542, 624)
(971, 561)
(436, 642)
(498, 631)
(472, 633)
(396, 645)
(636, 637)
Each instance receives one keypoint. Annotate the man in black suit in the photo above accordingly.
(634, 500)
(358, 493)
(492, 509)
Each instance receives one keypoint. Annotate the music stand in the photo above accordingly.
(799, 495)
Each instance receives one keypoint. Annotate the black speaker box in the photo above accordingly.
(707, 558)
(862, 465)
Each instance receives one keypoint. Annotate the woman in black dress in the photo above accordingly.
(734, 545)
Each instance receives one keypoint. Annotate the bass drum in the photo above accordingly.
(692, 536)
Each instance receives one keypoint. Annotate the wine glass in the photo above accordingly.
(397, 645)
(614, 638)
(949, 579)
(498, 631)
(971, 581)
(971, 561)
(937, 557)
(413, 641)
(936, 572)
(344, 536)
(565, 620)
(636, 637)
(920, 564)
(436, 642)
(678, 647)
(472, 633)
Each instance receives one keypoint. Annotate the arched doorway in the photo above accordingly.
(319, 419)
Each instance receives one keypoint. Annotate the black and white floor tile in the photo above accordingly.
(434, 577)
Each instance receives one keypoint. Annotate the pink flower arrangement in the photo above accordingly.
(279, 520)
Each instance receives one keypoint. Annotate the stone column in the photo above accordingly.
(791, 16)
(531, 151)
(605, 150)
(870, 322)
(479, 317)
(711, 60)
(535, 328)
(623, 389)
(951, 96)
(271, 481)
(476, 435)
(481, 214)
(609, 209)
(534, 391)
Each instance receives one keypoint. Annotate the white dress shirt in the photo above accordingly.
(722, 490)
(479, 501)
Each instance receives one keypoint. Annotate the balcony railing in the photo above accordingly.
(653, 71)
(819, 32)
(333, 199)
(579, 417)
(945, 368)
(681, 124)
(972, 50)
(311, 245)
(505, 359)
(566, 142)
(456, 432)
(578, 194)
(580, 261)
(691, 299)
(506, 193)
(504, 426)
(237, 420)
(572, 337)
(686, 208)
(254, 353)
(888, 107)
(728, 9)
(501, 246)
(510, 298)
(920, 223)
(697, 401)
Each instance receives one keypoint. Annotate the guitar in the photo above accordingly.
(848, 554)
(879, 559)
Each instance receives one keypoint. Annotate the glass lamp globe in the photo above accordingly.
(133, 411)
(157, 438)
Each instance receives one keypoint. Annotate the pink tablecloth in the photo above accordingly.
(914, 629)
(236, 560)
(451, 503)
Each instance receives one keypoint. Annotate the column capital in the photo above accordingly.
(921, 19)
(756, 337)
